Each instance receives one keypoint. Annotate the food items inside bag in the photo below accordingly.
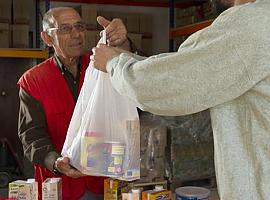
(103, 137)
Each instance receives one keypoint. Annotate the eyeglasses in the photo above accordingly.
(67, 28)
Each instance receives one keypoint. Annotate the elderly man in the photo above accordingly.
(48, 93)
(224, 68)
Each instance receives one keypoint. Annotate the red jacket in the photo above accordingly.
(47, 85)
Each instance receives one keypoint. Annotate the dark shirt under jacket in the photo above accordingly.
(32, 128)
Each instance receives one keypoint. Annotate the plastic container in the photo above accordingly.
(192, 193)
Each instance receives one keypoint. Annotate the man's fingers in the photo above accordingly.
(65, 160)
(116, 40)
(74, 173)
(103, 21)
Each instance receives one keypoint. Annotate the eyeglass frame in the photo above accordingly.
(70, 25)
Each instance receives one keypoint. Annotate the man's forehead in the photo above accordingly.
(65, 16)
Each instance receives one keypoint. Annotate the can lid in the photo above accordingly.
(135, 190)
(158, 187)
(192, 191)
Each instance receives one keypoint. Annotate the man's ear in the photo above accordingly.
(46, 38)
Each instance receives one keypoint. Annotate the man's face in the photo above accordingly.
(222, 5)
(68, 44)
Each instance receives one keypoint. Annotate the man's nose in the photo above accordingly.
(74, 32)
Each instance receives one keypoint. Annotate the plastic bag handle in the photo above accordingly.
(103, 37)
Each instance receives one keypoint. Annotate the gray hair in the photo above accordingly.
(49, 17)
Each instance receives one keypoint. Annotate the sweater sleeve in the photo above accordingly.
(32, 132)
(213, 66)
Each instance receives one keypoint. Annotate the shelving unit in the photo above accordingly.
(175, 32)
(23, 53)
(153, 3)
(189, 29)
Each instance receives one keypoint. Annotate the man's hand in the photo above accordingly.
(116, 32)
(102, 54)
(63, 166)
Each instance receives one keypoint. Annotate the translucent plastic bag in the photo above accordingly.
(103, 137)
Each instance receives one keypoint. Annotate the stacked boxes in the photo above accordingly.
(89, 15)
(91, 39)
(192, 15)
(21, 11)
(5, 11)
(22, 190)
(4, 35)
(20, 35)
(146, 27)
(133, 23)
(21, 20)
(136, 39)
(113, 189)
(14, 23)
(5, 20)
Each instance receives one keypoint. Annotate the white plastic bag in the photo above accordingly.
(103, 137)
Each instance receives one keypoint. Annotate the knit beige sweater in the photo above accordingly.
(226, 68)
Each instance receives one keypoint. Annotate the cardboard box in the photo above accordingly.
(22, 190)
(5, 11)
(155, 195)
(147, 46)
(4, 35)
(113, 189)
(52, 189)
(21, 11)
(136, 39)
(133, 23)
(90, 39)
(89, 15)
(146, 24)
(20, 36)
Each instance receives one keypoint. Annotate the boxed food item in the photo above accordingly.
(156, 194)
(146, 24)
(21, 11)
(22, 190)
(5, 11)
(136, 39)
(4, 35)
(90, 39)
(147, 46)
(133, 24)
(20, 36)
(113, 189)
(89, 15)
(52, 189)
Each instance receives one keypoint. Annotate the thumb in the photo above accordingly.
(103, 21)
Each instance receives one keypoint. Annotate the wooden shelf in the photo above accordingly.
(189, 29)
(150, 3)
(23, 53)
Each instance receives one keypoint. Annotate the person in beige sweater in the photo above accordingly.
(225, 68)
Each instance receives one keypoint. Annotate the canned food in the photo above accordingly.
(192, 193)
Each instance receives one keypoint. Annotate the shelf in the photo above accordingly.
(150, 3)
(23, 53)
(189, 29)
